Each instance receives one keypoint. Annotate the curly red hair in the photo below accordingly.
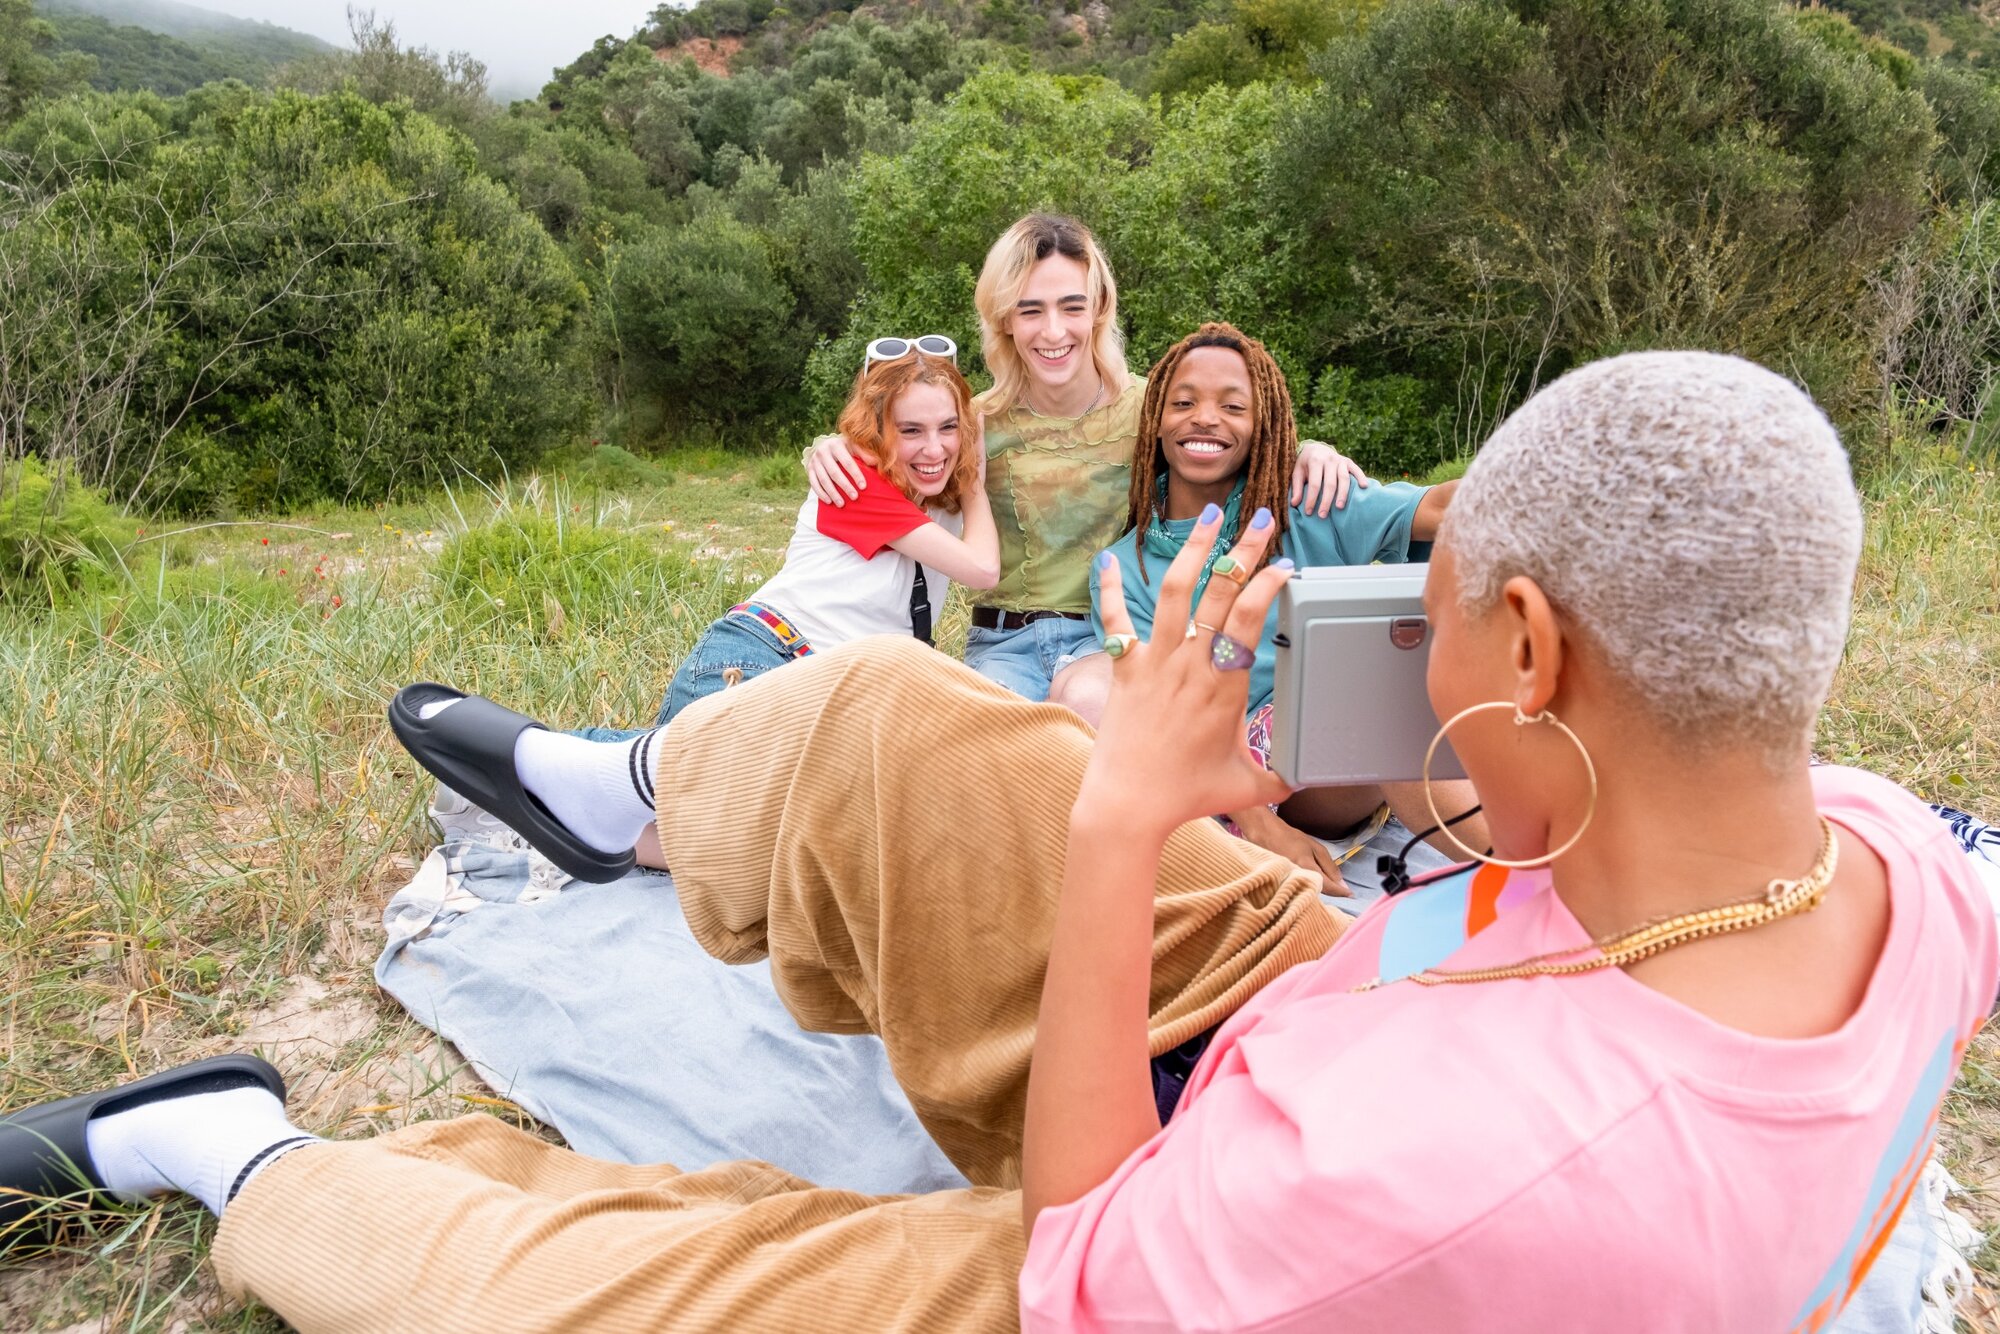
(865, 423)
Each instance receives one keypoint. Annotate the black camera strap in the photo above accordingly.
(920, 608)
(1395, 871)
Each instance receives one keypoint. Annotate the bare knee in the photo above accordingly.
(1084, 687)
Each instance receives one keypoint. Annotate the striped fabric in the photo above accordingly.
(902, 875)
(788, 635)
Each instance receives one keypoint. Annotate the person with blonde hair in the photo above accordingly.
(1062, 420)
(1616, 1077)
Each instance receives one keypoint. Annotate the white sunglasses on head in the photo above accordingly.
(889, 349)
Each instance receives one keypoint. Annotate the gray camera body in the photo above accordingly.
(1350, 707)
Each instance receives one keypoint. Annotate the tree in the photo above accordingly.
(27, 69)
(703, 320)
(1491, 192)
(451, 87)
(289, 299)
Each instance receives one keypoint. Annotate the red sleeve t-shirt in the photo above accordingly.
(873, 519)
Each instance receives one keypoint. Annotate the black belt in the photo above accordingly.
(992, 618)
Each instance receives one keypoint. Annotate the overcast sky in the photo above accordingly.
(521, 41)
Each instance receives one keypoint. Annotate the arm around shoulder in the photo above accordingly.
(972, 559)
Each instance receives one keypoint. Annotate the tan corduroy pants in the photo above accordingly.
(890, 829)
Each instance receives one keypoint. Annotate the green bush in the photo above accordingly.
(1385, 423)
(1490, 192)
(700, 318)
(781, 472)
(293, 299)
(1191, 234)
(1941, 334)
(547, 574)
(57, 536)
(601, 467)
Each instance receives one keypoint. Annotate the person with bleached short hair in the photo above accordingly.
(1671, 1059)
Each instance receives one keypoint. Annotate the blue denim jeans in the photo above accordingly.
(1027, 660)
(741, 642)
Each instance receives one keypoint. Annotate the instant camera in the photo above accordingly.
(1353, 644)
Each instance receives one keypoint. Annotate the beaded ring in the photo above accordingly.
(1231, 655)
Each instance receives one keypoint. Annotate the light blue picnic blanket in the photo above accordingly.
(592, 1007)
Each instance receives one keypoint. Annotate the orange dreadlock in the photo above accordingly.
(1274, 442)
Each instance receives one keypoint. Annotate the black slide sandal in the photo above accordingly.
(44, 1150)
(469, 747)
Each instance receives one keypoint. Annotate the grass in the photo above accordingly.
(201, 813)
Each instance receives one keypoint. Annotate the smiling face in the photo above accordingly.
(1208, 421)
(1051, 322)
(924, 431)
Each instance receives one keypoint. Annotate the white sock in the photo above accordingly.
(602, 791)
(206, 1144)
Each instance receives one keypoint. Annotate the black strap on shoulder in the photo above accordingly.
(920, 608)
(1395, 870)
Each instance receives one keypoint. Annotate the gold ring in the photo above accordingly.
(1117, 646)
(1198, 625)
(1232, 569)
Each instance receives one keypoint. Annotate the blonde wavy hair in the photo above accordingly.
(1001, 281)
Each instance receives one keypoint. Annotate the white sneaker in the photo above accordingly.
(459, 821)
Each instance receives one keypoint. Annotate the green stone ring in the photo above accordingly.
(1232, 569)
(1117, 646)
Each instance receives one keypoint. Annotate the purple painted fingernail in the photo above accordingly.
(1105, 560)
(1210, 513)
(1283, 563)
(1261, 519)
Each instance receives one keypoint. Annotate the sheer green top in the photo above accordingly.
(1060, 488)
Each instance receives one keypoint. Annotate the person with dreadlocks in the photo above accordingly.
(1059, 434)
(1612, 1078)
(1218, 418)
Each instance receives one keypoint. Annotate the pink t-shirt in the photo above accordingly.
(1577, 1153)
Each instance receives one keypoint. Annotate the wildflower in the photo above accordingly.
(336, 599)
(264, 541)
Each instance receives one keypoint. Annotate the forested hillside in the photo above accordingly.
(1962, 31)
(169, 48)
(369, 277)
(191, 23)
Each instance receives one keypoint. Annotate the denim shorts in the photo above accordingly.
(1027, 660)
(741, 642)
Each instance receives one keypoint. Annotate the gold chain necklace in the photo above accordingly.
(1781, 898)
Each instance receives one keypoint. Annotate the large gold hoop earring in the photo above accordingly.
(1520, 720)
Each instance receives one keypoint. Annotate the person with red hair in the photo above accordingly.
(882, 564)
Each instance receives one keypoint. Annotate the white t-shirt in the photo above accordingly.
(842, 580)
